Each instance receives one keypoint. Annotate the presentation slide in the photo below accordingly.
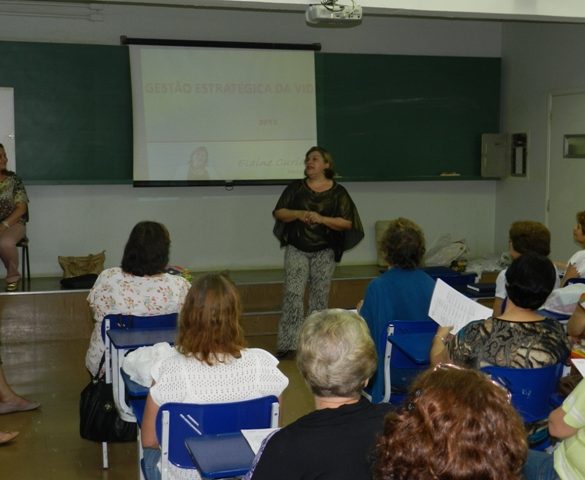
(218, 114)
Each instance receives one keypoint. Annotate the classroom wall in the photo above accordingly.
(537, 60)
(215, 228)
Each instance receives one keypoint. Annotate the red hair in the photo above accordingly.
(458, 425)
(209, 323)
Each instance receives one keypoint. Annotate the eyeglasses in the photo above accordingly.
(450, 366)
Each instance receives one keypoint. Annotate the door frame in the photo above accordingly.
(550, 97)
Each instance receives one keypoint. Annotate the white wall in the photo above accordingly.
(214, 228)
(538, 59)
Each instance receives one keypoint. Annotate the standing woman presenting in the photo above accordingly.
(13, 218)
(316, 221)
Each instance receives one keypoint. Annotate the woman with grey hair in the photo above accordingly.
(336, 357)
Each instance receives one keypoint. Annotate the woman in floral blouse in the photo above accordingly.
(13, 218)
(139, 287)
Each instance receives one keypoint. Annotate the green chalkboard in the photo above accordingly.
(73, 111)
(397, 117)
(384, 117)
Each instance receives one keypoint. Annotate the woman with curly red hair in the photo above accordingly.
(457, 425)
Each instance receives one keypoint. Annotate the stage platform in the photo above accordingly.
(45, 312)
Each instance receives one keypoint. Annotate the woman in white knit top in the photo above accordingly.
(213, 366)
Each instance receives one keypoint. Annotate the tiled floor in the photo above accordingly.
(49, 446)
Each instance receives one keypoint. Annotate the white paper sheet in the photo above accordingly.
(579, 365)
(254, 437)
(449, 308)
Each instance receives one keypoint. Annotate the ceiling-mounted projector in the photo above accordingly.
(330, 12)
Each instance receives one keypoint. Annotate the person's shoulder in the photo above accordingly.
(338, 189)
(259, 354)
(175, 279)
(109, 274)
(578, 256)
(484, 324)
(382, 409)
(553, 325)
(424, 276)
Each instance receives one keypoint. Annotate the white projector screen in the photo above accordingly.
(221, 115)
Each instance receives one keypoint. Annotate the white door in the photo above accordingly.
(566, 176)
(7, 125)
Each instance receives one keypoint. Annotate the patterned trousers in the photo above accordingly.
(299, 267)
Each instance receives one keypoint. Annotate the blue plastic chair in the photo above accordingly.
(532, 390)
(175, 422)
(571, 281)
(395, 369)
(120, 321)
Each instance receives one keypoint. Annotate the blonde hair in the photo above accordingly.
(335, 353)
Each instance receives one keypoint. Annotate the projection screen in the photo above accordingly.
(215, 115)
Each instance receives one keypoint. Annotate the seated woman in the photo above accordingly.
(457, 424)
(214, 365)
(336, 357)
(404, 291)
(520, 337)
(567, 423)
(139, 287)
(576, 264)
(13, 218)
(524, 236)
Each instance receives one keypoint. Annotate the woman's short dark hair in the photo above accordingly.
(329, 172)
(530, 279)
(147, 249)
(529, 236)
(209, 323)
(403, 244)
(457, 425)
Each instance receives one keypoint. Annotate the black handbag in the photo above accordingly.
(98, 418)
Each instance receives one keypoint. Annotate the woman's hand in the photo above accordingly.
(439, 352)
(334, 223)
(571, 272)
(314, 218)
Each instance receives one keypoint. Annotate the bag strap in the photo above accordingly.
(96, 377)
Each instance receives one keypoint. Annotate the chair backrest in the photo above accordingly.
(394, 363)
(176, 422)
(120, 321)
(531, 388)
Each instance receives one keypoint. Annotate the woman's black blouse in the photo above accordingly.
(334, 202)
